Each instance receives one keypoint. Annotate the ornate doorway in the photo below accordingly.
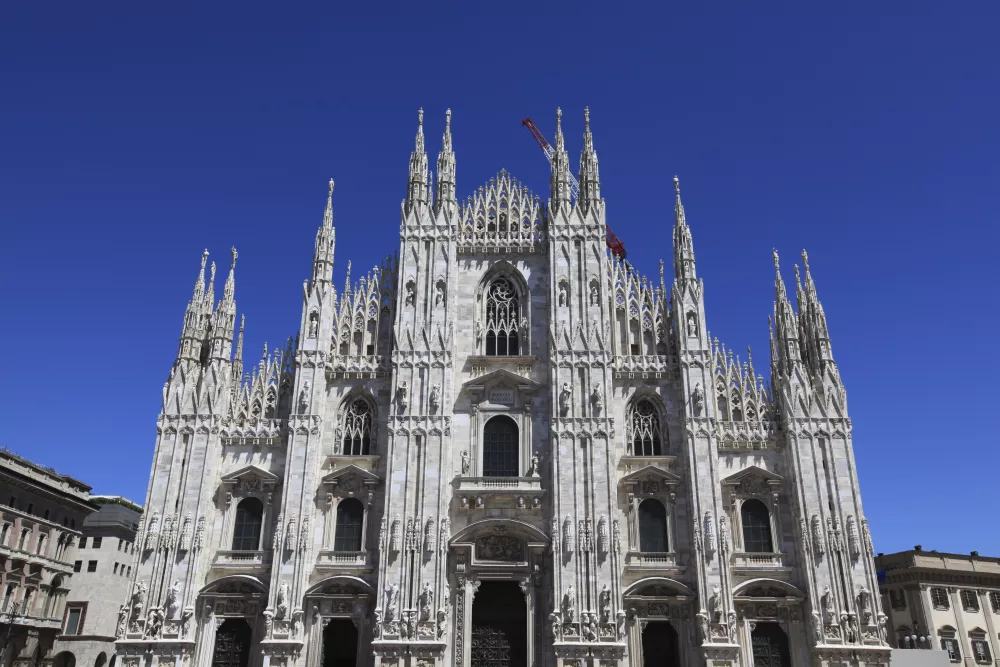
(232, 644)
(499, 626)
(340, 643)
(659, 645)
(770, 646)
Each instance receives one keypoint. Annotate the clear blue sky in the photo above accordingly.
(136, 135)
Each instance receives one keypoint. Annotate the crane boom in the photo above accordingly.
(614, 244)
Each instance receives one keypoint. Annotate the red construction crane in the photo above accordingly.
(614, 244)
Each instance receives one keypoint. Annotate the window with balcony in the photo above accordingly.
(970, 600)
(756, 527)
(350, 520)
(653, 527)
(643, 429)
(939, 598)
(358, 428)
(500, 445)
(249, 518)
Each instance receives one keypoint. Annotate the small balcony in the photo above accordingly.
(493, 492)
(242, 560)
(767, 562)
(328, 561)
(653, 560)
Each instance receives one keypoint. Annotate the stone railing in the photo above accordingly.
(237, 559)
(652, 560)
(500, 492)
(342, 558)
(760, 561)
(493, 484)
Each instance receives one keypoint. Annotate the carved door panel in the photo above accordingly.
(770, 646)
(499, 626)
(232, 644)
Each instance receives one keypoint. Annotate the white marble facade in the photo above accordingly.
(502, 416)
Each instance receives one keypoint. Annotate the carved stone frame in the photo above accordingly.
(742, 487)
(248, 482)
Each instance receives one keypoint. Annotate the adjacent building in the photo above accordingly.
(102, 570)
(504, 446)
(941, 600)
(41, 516)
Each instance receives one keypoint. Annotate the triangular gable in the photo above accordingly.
(750, 473)
(368, 478)
(649, 473)
(248, 476)
(502, 375)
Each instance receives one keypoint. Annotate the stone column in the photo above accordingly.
(529, 607)
(206, 645)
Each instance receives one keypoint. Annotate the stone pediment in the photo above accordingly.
(646, 477)
(251, 478)
(754, 480)
(351, 478)
(501, 376)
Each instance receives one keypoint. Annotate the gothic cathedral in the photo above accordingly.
(503, 447)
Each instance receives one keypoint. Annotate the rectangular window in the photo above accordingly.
(97, 542)
(46, 514)
(119, 545)
(897, 598)
(83, 542)
(970, 600)
(77, 565)
(74, 620)
(939, 598)
(115, 570)
(129, 571)
(634, 350)
(13, 501)
(24, 539)
(31, 507)
(4, 532)
(982, 651)
(995, 601)
(40, 550)
(91, 566)
(950, 646)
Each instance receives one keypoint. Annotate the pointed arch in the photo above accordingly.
(504, 311)
(357, 420)
(645, 426)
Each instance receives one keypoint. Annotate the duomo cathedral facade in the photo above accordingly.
(503, 446)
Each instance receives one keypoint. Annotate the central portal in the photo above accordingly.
(340, 643)
(499, 626)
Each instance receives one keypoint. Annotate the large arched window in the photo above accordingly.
(358, 428)
(653, 527)
(644, 429)
(756, 527)
(249, 517)
(350, 516)
(500, 444)
(503, 317)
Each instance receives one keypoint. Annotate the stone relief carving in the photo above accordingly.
(445, 534)
(602, 537)
(500, 547)
(394, 537)
(817, 535)
(616, 536)
(568, 545)
(430, 536)
(853, 537)
(709, 534)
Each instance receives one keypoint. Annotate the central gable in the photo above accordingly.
(501, 213)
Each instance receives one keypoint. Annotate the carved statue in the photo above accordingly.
(616, 536)
(724, 534)
(439, 293)
(465, 463)
(313, 324)
(828, 605)
(443, 544)
(401, 395)
(297, 624)
(391, 602)
(282, 601)
(139, 595)
(864, 605)
(268, 623)
(171, 602)
(692, 324)
(817, 626)
(535, 467)
(589, 626)
(186, 616)
(564, 395)
(377, 628)
(122, 621)
(597, 398)
(605, 604)
(716, 604)
(304, 398)
(435, 397)
(698, 399)
(479, 331)
(562, 294)
(426, 602)
(154, 621)
(595, 296)
(411, 292)
(569, 605)
(199, 535)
